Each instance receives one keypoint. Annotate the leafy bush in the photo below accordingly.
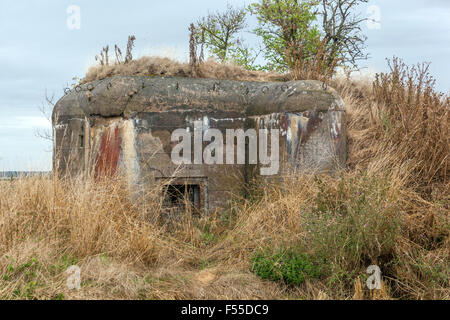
(351, 225)
(288, 266)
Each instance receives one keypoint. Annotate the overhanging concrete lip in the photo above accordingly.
(126, 96)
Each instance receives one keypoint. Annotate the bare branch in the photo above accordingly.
(46, 109)
(343, 30)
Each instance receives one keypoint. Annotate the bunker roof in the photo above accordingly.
(126, 96)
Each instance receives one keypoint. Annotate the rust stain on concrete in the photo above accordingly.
(109, 153)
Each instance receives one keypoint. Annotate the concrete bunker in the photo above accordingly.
(123, 125)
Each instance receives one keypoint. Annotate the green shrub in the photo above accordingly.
(352, 225)
(287, 266)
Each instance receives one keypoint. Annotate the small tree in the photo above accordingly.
(246, 56)
(219, 31)
(342, 30)
(291, 33)
(287, 30)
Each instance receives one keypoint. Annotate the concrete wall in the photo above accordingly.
(124, 125)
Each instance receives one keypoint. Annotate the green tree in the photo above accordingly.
(288, 31)
(219, 31)
(244, 55)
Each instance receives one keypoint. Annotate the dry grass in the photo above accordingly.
(157, 66)
(321, 66)
(46, 226)
(390, 207)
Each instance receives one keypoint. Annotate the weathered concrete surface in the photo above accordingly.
(124, 125)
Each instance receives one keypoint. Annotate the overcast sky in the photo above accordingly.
(39, 52)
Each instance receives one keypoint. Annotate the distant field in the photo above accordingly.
(7, 175)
